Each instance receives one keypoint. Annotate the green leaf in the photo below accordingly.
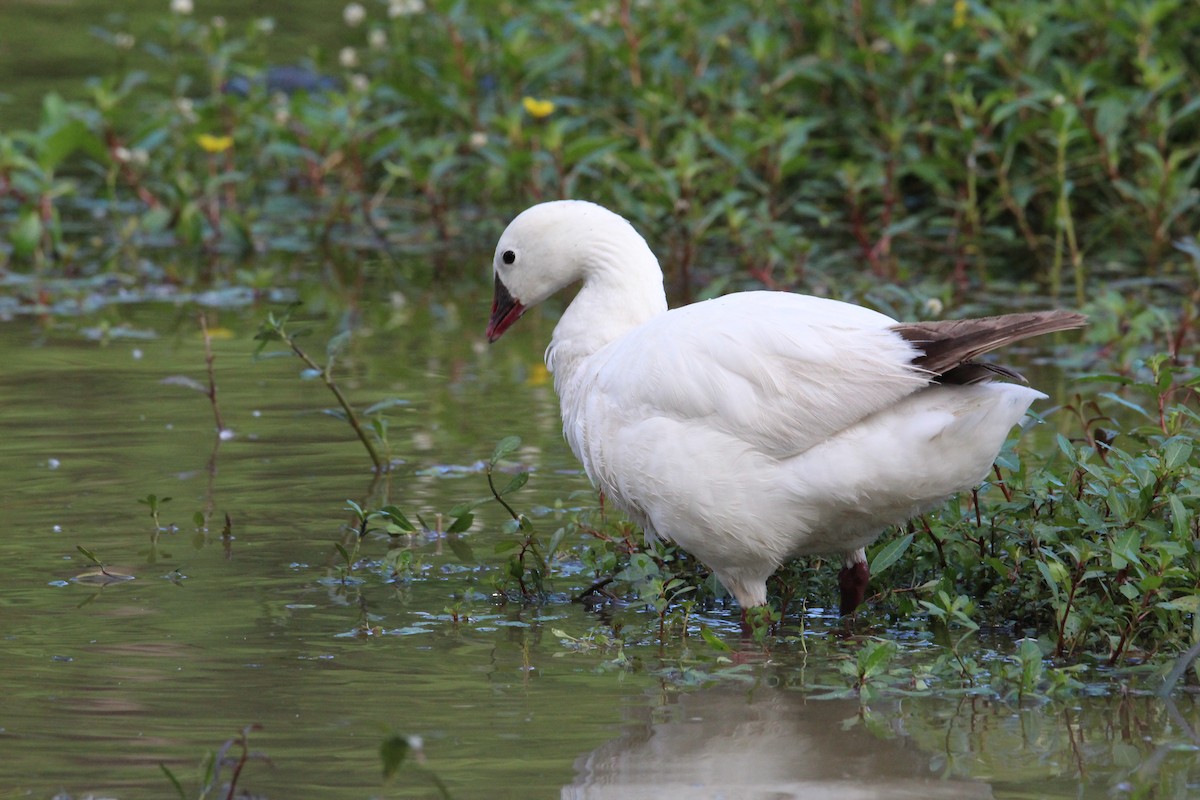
(396, 516)
(504, 448)
(461, 524)
(714, 641)
(337, 345)
(392, 753)
(1116, 398)
(1176, 452)
(1180, 518)
(1048, 577)
(26, 235)
(516, 482)
(556, 540)
(874, 658)
(88, 554)
(1189, 604)
(343, 551)
(382, 405)
(59, 145)
(174, 781)
(889, 554)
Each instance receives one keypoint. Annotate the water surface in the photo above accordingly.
(105, 680)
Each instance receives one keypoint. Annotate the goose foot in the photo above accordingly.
(853, 580)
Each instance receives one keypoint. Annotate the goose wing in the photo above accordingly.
(777, 371)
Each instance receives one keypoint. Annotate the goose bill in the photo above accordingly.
(505, 311)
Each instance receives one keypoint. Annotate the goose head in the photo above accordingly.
(552, 245)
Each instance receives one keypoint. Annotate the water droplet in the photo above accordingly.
(53, 463)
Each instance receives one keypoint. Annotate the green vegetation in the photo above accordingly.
(796, 143)
(916, 155)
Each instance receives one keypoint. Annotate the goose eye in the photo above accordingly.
(508, 256)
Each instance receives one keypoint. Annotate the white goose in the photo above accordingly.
(760, 425)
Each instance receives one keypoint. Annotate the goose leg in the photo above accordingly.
(853, 579)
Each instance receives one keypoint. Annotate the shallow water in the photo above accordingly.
(105, 680)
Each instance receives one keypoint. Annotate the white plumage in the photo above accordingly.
(757, 426)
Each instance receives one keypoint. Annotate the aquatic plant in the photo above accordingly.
(215, 763)
(397, 749)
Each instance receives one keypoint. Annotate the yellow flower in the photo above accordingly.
(214, 144)
(538, 375)
(538, 109)
(960, 13)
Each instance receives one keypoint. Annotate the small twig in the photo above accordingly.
(326, 374)
(936, 542)
(1000, 482)
(499, 499)
(595, 588)
(212, 378)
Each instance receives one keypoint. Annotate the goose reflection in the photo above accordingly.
(732, 743)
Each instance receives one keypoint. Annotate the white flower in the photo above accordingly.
(405, 8)
(360, 83)
(122, 155)
(377, 39)
(181, 7)
(139, 156)
(933, 306)
(348, 57)
(354, 14)
(186, 111)
(949, 59)
(282, 116)
(124, 41)
(218, 23)
(478, 140)
(265, 25)
(1057, 100)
